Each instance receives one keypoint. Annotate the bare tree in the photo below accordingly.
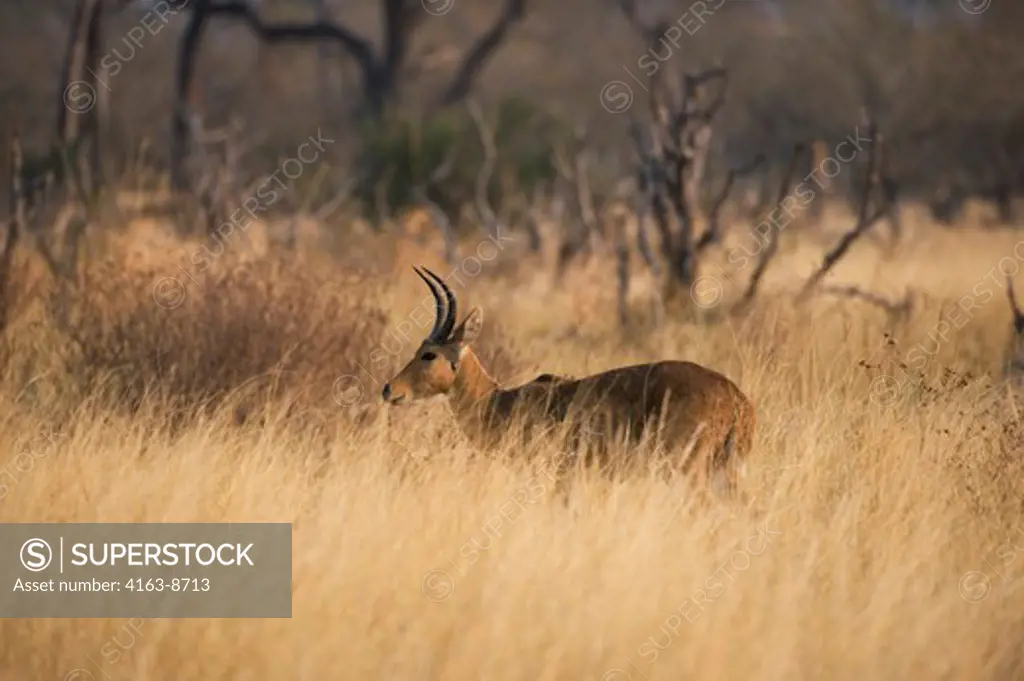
(672, 173)
(83, 107)
(380, 71)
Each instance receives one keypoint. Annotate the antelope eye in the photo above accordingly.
(428, 356)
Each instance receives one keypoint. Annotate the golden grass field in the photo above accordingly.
(883, 536)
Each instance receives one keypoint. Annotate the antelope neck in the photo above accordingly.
(472, 383)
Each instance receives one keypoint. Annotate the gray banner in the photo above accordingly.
(145, 570)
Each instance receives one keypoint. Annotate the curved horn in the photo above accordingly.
(439, 317)
(449, 322)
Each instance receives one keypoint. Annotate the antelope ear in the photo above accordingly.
(467, 332)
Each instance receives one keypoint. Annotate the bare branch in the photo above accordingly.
(894, 310)
(693, 85)
(73, 69)
(562, 166)
(581, 174)
(713, 235)
(63, 262)
(772, 247)
(477, 56)
(866, 216)
(483, 178)
(99, 114)
(650, 196)
(444, 169)
(203, 10)
(358, 47)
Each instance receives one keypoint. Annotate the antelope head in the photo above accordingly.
(444, 363)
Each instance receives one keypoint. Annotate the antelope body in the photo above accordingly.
(694, 412)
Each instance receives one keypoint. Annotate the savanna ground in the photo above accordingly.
(880, 540)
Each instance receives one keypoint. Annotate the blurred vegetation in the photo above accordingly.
(941, 81)
(401, 155)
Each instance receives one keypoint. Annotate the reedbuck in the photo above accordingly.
(694, 412)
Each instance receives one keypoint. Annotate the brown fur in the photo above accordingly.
(699, 415)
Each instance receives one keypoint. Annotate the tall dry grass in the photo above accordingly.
(883, 537)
